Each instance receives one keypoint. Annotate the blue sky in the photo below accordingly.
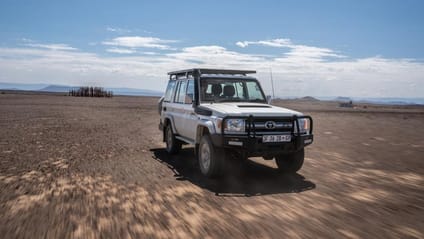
(320, 48)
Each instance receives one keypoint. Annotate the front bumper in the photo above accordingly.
(251, 143)
(254, 146)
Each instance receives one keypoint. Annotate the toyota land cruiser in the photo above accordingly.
(225, 112)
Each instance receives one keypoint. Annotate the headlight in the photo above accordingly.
(303, 126)
(234, 125)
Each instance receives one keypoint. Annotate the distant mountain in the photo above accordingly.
(392, 101)
(17, 86)
(308, 98)
(9, 89)
(377, 100)
(58, 88)
(136, 92)
(66, 88)
(116, 91)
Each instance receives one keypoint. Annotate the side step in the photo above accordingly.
(189, 141)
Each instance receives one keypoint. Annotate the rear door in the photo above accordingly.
(166, 111)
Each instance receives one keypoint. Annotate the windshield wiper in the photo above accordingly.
(257, 100)
(229, 100)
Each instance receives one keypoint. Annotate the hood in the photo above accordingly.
(246, 109)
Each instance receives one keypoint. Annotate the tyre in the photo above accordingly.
(211, 159)
(173, 145)
(290, 163)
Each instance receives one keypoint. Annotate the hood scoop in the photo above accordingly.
(253, 106)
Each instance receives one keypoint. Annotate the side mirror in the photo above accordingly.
(269, 99)
(160, 103)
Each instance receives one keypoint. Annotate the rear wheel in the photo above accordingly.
(210, 158)
(290, 163)
(173, 145)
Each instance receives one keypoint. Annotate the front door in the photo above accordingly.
(190, 117)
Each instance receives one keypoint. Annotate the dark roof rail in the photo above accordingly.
(201, 71)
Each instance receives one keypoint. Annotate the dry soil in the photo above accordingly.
(96, 168)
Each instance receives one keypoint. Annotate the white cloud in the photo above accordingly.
(280, 42)
(26, 40)
(150, 53)
(213, 55)
(139, 42)
(121, 50)
(111, 29)
(54, 47)
(300, 52)
(242, 44)
(299, 72)
(118, 30)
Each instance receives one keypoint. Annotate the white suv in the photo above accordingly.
(225, 113)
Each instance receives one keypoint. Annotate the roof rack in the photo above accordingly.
(201, 71)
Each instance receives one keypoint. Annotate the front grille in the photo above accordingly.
(272, 126)
(256, 127)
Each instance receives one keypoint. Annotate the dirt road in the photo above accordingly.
(96, 168)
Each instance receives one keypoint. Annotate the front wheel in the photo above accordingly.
(290, 163)
(173, 145)
(210, 158)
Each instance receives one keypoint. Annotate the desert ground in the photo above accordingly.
(96, 168)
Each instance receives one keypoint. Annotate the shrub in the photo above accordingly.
(90, 91)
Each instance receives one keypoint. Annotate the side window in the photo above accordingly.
(177, 88)
(180, 97)
(208, 89)
(190, 92)
(169, 91)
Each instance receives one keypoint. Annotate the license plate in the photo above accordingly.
(276, 138)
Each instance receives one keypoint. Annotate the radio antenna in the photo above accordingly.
(272, 83)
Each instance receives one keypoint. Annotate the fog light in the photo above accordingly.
(236, 143)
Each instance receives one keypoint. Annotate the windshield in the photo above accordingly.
(231, 90)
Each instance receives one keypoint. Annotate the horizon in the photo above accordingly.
(146, 92)
(318, 49)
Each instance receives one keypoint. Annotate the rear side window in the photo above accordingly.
(180, 96)
(169, 90)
